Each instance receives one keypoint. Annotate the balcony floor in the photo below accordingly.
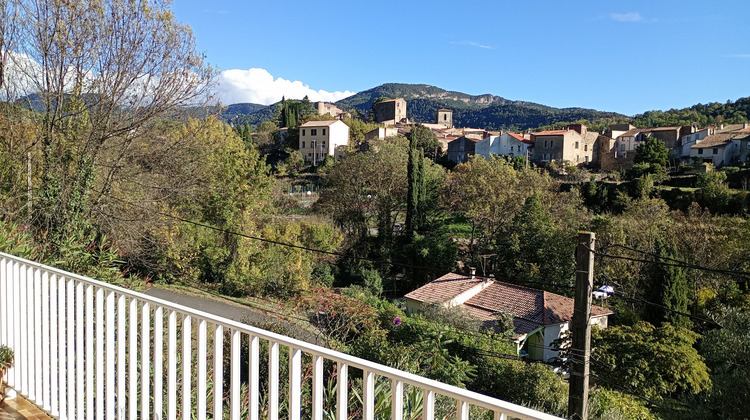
(19, 408)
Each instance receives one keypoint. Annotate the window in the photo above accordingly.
(578, 158)
(309, 154)
(545, 143)
(313, 132)
(324, 131)
(622, 147)
(716, 151)
(585, 147)
(303, 144)
(312, 144)
(551, 143)
(576, 145)
(445, 117)
(303, 134)
(324, 143)
(700, 151)
(586, 159)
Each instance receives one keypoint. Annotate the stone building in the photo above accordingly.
(391, 111)
(444, 117)
(574, 144)
(328, 108)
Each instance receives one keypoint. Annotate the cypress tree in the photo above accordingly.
(668, 286)
(412, 194)
(421, 187)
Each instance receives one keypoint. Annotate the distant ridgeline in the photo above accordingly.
(488, 111)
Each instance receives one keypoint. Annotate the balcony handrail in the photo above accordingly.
(459, 394)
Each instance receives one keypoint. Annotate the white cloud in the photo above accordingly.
(738, 56)
(474, 44)
(627, 17)
(258, 86)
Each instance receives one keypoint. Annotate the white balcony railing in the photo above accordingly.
(90, 350)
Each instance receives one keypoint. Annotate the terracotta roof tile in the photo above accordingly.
(319, 123)
(550, 133)
(445, 288)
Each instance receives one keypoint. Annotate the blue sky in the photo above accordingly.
(622, 56)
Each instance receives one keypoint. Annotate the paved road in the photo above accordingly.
(231, 310)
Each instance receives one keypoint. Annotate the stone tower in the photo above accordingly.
(444, 117)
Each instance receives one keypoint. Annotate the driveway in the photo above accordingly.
(232, 310)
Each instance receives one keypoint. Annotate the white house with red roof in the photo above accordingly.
(506, 144)
(539, 317)
(318, 139)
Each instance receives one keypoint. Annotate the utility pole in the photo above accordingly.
(580, 350)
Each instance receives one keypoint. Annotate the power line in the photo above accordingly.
(675, 263)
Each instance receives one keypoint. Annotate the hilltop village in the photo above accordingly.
(611, 150)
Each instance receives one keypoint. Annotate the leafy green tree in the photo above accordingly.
(727, 353)
(535, 249)
(656, 362)
(652, 151)
(423, 138)
(713, 191)
(490, 193)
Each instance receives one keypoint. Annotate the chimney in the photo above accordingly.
(473, 271)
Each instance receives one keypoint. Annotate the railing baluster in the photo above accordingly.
(368, 392)
(428, 404)
(122, 338)
(234, 386)
(317, 391)
(187, 370)
(172, 366)
(90, 357)
(397, 399)
(62, 348)
(254, 375)
(15, 371)
(70, 304)
(80, 369)
(295, 383)
(54, 348)
(201, 380)
(159, 363)
(500, 415)
(145, 359)
(110, 407)
(4, 318)
(218, 372)
(46, 396)
(37, 291)
(462, 410)
(133, 362)
(99, 353)
(23, 343)
(342, 391)
(273, 380)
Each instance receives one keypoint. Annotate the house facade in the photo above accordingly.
(506, 144)
(574, 144)
(461, 148)
(539, 317)
(390, 112)
(318, 139)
